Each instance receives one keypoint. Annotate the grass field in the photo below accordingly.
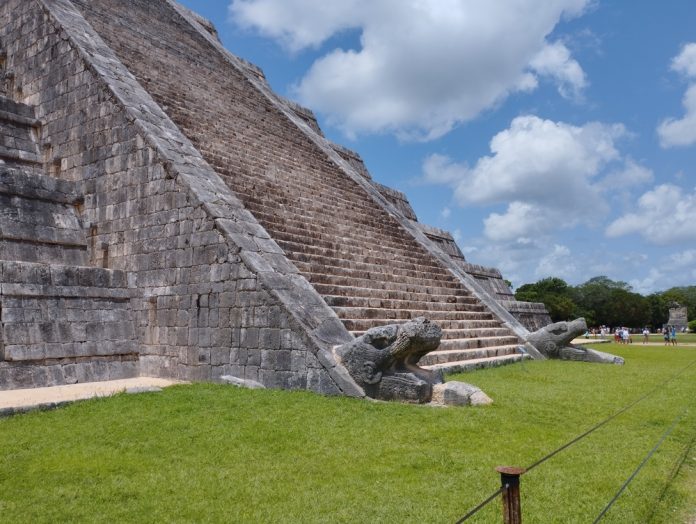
(210, 453)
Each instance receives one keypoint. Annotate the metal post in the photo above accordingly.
(510, 480)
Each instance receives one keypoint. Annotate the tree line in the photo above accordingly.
(603, 301)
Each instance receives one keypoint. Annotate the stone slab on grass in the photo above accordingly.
(20, 400)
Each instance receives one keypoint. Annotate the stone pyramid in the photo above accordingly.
(164, 213)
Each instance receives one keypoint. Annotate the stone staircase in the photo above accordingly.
(61, 321)
(39, 220)
(368, 268)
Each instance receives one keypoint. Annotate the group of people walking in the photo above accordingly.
(669, 335)
(622, 335)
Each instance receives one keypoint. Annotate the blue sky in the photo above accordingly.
(551, 137)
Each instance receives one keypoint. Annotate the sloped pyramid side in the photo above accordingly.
(369, 262)
(212, 294)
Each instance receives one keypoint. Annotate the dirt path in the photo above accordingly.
(19, 400)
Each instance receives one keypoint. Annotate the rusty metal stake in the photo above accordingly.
(510, 480)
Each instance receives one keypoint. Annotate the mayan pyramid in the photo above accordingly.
(164, 213)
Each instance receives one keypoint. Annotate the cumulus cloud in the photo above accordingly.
(519, 220)
(685, 61)
(300, 23)
(665, 215)
(422, 66)
(554, 60)
(630, 175)
(675, 132)
(683, 260)
(546, 172)
(676, 269)
(559, 262)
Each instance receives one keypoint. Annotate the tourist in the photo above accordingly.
(646, 335)
(665, 335)
(673, 335)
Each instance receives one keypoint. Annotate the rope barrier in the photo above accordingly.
(672, 474)
(483, 504)
(608, 419)
(491, 497)
(645, 460)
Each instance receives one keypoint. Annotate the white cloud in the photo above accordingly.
(650, 283)
(675, 132)
(300, 23)
(544, 171)
(554, 60)
(676, 269)
(519, 220)
(445, 213)
(558, 263)
(683, 260)
(630, 175)
(665, 215)
(685, 61)
(423, 66)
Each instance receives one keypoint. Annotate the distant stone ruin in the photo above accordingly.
(164, 213)
(678, 316)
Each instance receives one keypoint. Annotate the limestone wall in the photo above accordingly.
(61, 325)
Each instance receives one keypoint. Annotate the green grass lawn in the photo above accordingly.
(211, 453)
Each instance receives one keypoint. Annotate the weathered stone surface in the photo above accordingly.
(455, 393)
(242, 382)
(678, 316)
(384, 361)
(553, 341)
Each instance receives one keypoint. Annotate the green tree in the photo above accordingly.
(659, 310)
(555, 293)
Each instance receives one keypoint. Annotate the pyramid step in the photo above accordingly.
(367, 260)
(304, 251)
(298, 190)
(474, 332)
(359, 326)
(328, 224)
(356, 313)
(24, 182)
(18, 131)
(403, 284)
(336, 241)
(450, 295)
(466, 334)
(39, 230)
(459, 355)
(300, 212)
(18, 119)
(310, 194)
(7, 105)
(478, 342)
(12, 155)
(342, 301)
(374, 272)
(464, 366)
